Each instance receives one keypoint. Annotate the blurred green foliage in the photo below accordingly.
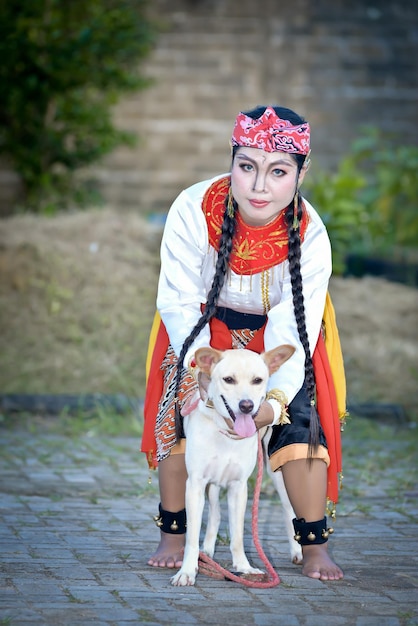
(370, 203)
(64, 63)
(336, 196)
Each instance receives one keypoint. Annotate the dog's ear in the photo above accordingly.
(206, 358)
(276, 357)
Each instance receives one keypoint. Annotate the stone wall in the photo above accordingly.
(340, 63)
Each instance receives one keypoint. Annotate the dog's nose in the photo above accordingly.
(246, 406)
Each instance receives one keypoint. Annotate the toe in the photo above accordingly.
(331, 574)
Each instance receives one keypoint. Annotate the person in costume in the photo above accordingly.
(245, 263)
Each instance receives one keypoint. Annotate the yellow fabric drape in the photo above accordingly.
(151, 343)
(335, 357)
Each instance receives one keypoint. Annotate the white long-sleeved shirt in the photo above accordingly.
(187, 270)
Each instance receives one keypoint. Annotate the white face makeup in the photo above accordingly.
(263, 183)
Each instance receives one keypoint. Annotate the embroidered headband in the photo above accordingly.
(271, 134)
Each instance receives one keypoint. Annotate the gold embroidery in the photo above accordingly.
(265, 291)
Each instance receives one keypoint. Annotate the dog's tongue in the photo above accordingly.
(244, 425)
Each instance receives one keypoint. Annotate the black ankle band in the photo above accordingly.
(173, 523)
(309, 533)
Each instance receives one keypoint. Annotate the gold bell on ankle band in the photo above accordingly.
(158, 521)
(309, 533)
(170, 522)
(327, 532)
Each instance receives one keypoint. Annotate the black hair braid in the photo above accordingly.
(221, 269)
(294, 254)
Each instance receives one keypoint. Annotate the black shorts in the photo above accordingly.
(298, 430)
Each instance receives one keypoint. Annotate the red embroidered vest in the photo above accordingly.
(255, 248)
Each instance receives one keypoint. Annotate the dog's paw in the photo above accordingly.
(254, 570)
(183, 579)
(245, 568)
(257, 577)
(296, 554)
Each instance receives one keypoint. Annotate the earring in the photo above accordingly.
(295, 211)
(230, 209)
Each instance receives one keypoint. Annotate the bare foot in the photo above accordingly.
(318, 564)
(169, 552)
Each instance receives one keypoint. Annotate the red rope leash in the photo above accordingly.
(209, 567)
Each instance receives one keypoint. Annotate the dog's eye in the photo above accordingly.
(257, 381)
(229, 380)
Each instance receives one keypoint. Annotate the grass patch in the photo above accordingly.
(77, 297)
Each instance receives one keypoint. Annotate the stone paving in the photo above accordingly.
(76, 529)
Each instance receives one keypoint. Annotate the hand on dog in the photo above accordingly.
(265, 415)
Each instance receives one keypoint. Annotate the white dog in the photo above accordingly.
(221, 451)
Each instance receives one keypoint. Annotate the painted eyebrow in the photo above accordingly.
(279, 162)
